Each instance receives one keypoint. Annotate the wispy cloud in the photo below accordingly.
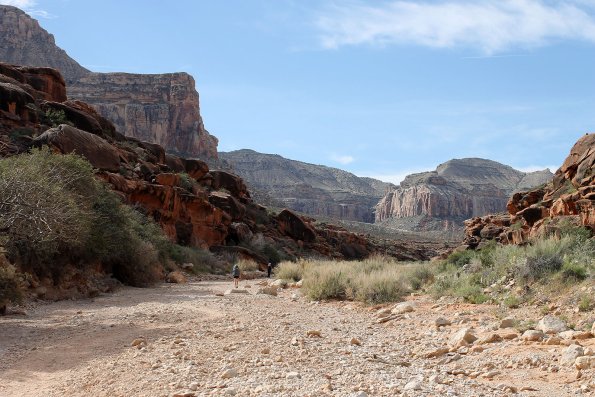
(342, 159)
(30, 6)
(491, 26)
(19, 3)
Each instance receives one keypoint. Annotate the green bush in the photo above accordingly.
(573, 271)
(460, 258)
(289, 271)
(512, 302)
(377, 288)
(420, 276)
(186, 182)
(53, 211)
(56, 117)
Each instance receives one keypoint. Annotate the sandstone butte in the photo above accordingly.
(217, 214)
(457, 190)
(160, 108)
(568, 199)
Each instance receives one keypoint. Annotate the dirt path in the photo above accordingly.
(193, 342)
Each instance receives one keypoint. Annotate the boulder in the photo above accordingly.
(462, 337)
(532, 335)
(551, 325)
(67, 139)
(584, 362)
(570, 354)
(294, 226)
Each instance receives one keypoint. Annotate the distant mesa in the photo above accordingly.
(311, 189)
(160, 108)
(457, 190)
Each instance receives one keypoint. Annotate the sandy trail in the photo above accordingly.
(192, 337)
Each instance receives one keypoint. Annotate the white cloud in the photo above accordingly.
(23, 4)
(29, 7)
(492, 26)
(342, 159)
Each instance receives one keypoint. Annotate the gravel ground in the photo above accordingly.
(192, 340)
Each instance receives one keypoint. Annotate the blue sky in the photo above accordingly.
(378, 88)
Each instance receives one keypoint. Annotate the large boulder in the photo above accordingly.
(67, 139)
(294, 226)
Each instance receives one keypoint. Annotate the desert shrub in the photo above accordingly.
(204, 261)
(585, 303)
(186, 182)
(572, 271)
(323, 284)
(512, 301)
(45, 203)
(10, 290)
(289, 271)
(419, 276)
(460, 258)
(472, 293)
(53, 210)
(247, 265)
(377, 287)
(56, 117)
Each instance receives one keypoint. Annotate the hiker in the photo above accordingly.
(269, 269)
(236, 275)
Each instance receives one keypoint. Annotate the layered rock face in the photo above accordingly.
(160, 108)
(311, 189)
(459, 189)
(202, 208)
(568, 199)
(24, 42)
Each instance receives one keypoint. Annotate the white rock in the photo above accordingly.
(413, 385)
(294, 297)
(230, 391)
(403, 307)
(532, 335)
(441, 322)
(551, 325)
(570, 354)
(360, 394)
(462, 337)
(292, 375)
(279, 283)
(229, 373)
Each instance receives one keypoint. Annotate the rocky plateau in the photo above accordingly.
(457, 190)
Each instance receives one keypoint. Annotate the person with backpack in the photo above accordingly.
(235, 272)
(269, 269)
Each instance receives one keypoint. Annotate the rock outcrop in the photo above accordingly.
(568, 199)
(159, 108)
(459, 189)
(311, 189)
(194, 205)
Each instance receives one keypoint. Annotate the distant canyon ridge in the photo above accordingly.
(165, 109)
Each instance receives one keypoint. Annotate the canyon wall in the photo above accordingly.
(308, 188)
(160, 108)
(457, 190)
